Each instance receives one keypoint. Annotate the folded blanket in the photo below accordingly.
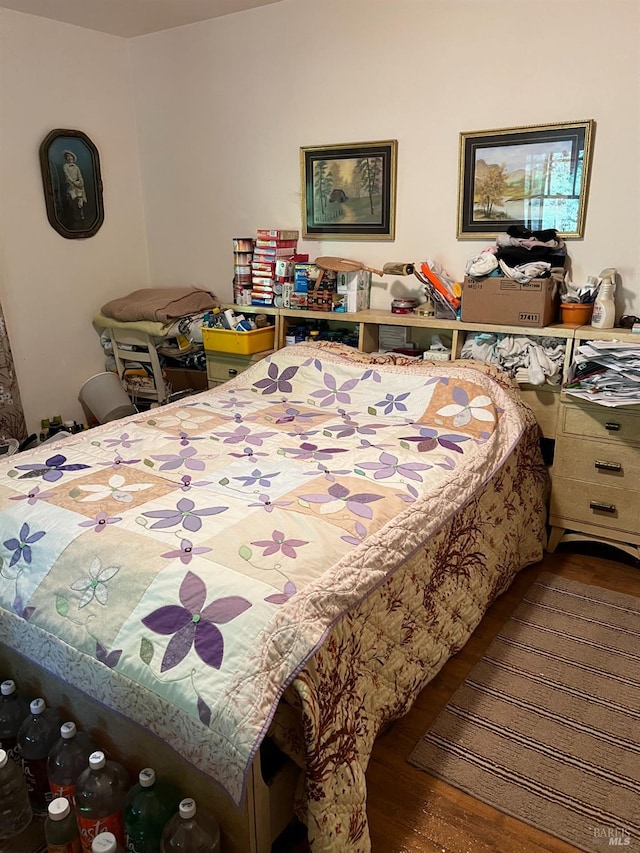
(161, 304)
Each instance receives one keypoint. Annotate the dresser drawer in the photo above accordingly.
(603, 506)
(601, 422)
(601, 462)
(223, 366)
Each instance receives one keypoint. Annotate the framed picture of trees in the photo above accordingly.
(349, 191)
(536, 177)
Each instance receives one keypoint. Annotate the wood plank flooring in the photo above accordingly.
(410, 811)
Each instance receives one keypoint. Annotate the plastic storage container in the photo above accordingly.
(99, 796)
(36, 737)
(185, 833)
(244, 343)
(69, 756)
(14, 710)
(61, 828)
(15, 806)
(147, 809)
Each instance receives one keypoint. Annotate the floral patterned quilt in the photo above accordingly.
(189, 565)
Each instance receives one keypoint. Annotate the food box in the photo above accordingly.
(508, 302)
(245, 343)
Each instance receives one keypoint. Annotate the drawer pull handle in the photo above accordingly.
(612, 426)
(602, 507)
(233, 371)
(608, 466)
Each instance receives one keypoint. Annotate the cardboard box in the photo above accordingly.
(183, 379)
(505, 301)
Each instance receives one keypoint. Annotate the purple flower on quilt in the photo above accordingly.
(187, 483)
(186, 552)
(331, 393)
(391, 402)
(185, 457)
(21, 546)
(338, 496)
(326, 472)
(183, 514)
(312, 451)
(429, 439)
(372, 374)
(242, 434)
(123, 441)
(266, 503)
(33, 497)
(194, 624)
(358, 537)
(388, 465)
(94, 586)
(279, 543)
(99, 523)
(184, 438)
(410, 496)
(51, 470)
(275, 381)
(109, 659)
(19, 609)
(258, 477)
(118, 462)
(350, 427)
(249, 454)
(293, 414)
(284, 596)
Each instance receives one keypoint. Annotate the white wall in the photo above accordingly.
(223, 107)
(54, 75)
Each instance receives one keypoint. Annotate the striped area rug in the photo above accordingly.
(546, 728)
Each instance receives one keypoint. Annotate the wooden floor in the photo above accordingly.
(410, 811)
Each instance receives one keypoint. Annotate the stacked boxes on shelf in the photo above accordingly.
(269, 267)
(242, 259)
(324, 290)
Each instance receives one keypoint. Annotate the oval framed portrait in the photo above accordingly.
(70, 166)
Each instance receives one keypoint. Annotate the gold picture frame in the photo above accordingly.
(349, 190)
(535, 176)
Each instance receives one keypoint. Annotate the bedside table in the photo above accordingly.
(222, 366)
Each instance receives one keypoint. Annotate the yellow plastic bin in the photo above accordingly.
(240, 343)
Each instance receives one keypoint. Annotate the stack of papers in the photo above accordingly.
(606, 372)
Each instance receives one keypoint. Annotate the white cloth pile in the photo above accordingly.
(542, 357)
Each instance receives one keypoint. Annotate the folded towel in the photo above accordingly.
(161, 304)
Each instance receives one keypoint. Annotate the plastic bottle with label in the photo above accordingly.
(604, 308)
(106, 842)
(14, 709)
(15, 806)
(36, 736)
(69, 756)
(61, 828)
(187, 834)
(147, 808)
(99, 796)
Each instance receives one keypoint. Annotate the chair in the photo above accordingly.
(150, 387)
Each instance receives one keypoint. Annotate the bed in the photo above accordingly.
(292, 555)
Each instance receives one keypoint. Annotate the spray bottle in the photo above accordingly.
(604, 308)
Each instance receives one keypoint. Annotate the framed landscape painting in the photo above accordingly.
(535, 176)
(349, 191)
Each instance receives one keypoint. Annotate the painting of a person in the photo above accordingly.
(76, 193)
